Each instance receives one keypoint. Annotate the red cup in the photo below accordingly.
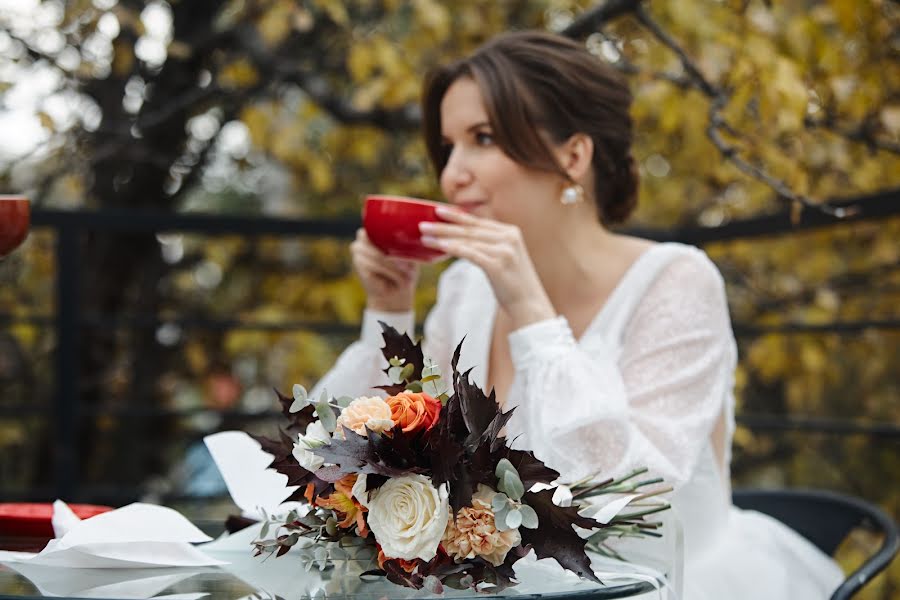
(15, 218)
(392, 224)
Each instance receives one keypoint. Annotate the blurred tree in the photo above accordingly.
(295, 108)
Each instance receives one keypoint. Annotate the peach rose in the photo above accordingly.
(371, 412)
(475, 534)
(414, 411)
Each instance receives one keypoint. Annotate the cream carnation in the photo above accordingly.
(475, 534)
(371, 412)
(408, 516)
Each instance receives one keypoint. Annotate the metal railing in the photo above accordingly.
(70, 316)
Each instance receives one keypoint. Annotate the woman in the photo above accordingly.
(615, 351)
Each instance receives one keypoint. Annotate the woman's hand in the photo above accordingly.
(390, 283)
(499, 249)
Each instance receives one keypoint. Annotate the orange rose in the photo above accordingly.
(414, 411)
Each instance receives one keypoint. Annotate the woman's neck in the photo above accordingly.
(583, 266)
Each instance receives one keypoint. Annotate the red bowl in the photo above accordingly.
(34, 519)
(392, 224)
(15, 216)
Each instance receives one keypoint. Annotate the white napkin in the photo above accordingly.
(257, 490)
(135, 536)
(126, 584)
(243, 465)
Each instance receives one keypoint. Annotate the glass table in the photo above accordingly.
(284, 578)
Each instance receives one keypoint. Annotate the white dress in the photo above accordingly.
(649, 383)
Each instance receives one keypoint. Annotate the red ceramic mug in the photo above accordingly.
(392, 224)
(15, 218)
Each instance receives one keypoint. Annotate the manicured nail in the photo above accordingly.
(444, 211)
(428, 240)
(426, 227)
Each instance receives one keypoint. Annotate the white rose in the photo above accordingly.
(408, 517)
(315, 437)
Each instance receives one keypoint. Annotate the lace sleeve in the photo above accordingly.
(655, 402)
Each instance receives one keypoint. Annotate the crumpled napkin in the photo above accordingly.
(127, 584)
(134, 536)
(257, 490)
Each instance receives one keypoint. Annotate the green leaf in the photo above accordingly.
(499, 501)
(504, 466)
(529, 517)
(513, 519)
(407, 372)
(344, 401)
(326, 415)
(299, 392)
(511, 485)
(500, 518)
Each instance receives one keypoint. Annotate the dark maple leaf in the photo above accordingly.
(392, 390)
(531, 469)
(283, 459)
(400, 345)
(297, 421)
(555, 536)
(443, 448)
(370, 455)
(491, 435)
(478, 410)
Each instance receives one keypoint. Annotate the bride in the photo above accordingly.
(616, 351)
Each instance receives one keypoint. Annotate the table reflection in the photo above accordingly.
(285, 578)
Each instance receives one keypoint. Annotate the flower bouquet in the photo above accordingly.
(426, 480)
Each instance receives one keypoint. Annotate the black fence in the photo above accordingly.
(69, 317)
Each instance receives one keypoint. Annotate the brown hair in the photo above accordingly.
(534, 83)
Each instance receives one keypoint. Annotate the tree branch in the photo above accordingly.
(690, 67)
(594, 19)
(863, 133)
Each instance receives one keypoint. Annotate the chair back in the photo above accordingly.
(825, 518)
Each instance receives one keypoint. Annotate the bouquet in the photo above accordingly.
(426, 480)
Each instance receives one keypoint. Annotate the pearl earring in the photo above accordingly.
(572, 194)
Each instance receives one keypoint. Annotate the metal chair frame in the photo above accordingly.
(825, 518)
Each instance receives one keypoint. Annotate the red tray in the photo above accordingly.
(34, 519)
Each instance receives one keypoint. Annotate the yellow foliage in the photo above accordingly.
(239, 74)
(276, 22)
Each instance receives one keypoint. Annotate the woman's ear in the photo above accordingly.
(576, 155)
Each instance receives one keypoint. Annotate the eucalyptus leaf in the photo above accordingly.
(407, 372)
(265, 529)
(529, 517)
(433, 585)
(344, 401)
(414, 387)
(511, 485)
(513, 519)
(326, 416)
(499, 501)
(331, 526)
(299, 392)
(504, 466)
(500, 518)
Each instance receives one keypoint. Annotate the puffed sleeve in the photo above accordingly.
(651, 402)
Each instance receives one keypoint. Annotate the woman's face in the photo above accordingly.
(479, 177)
